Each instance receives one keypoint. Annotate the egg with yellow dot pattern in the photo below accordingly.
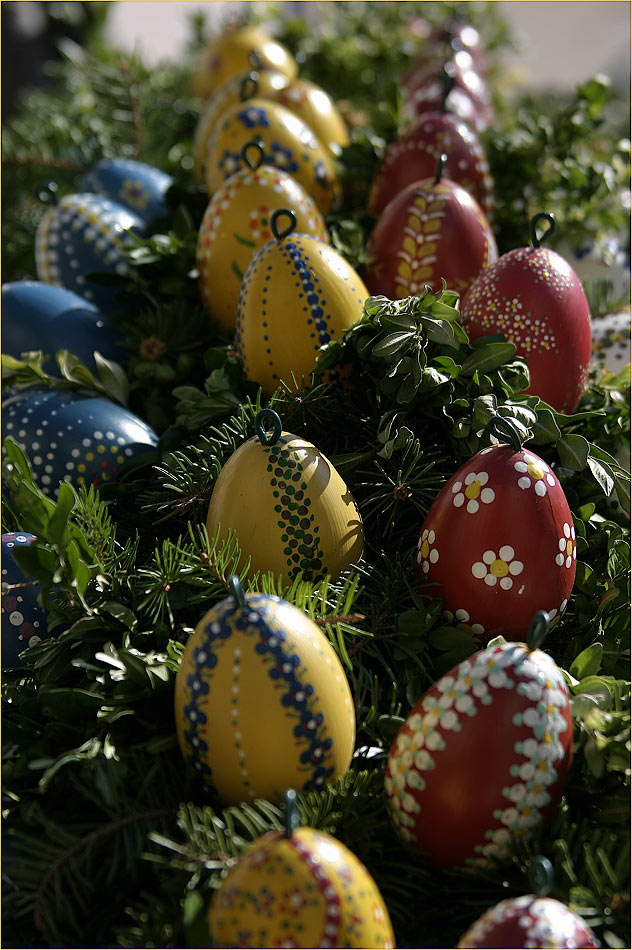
(75, 438)
(305, 890)
(288, 507)
(235, 51)
(237, 222)
(288, 143)
(296, 296)
(262, 701)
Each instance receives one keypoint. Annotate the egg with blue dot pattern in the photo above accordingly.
(39, 316)
(23, 619)
(83, 235)
(262, 702)
(288, 142)
(289, 508)
(73, 437)
(305, 889)
(137, 186)
(297, 295)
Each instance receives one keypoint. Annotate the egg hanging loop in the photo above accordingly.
(253, 146)
(292, 815)
(447, 84)
(538, 629)
(505, 431)
(274, 217)
(541, 876)
(46, 191)
(272, 419)
(249, 86)
(440, 166)
(237, 591)
(533, 223)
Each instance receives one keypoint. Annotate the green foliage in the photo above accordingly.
(109, 840)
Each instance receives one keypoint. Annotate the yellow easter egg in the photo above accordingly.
(288, 506)
(305, 890)
(296, 295)
(317, 109)
(236, 51)
(288, 144)
(262, 701)
(263, 83)
(237, 223)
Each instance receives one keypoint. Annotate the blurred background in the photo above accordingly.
(557, 44)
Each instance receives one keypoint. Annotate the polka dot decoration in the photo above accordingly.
(82, 235)
(499, 543)
(482, 758)
(23, 619)
(296, 296)
(611, 342)
(139, 187)
(72, 437)
(39, 316)
(305, 890)
(262, 702)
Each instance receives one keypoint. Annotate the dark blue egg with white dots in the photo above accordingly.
(83, 235)
(296, 296)
(39, 316)
(136, 185)
(73, 437)
(23, 619)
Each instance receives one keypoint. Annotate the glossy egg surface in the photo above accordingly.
(317, 109)
(237, 51)
(137, 186)
(529, 921)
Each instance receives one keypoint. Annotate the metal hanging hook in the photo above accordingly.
(256, 146)
(249, 86)
(538, 629)
(271, 419)
(292, 815)
(274, 217)
(541, 876)
(237, 591)
(440, 166)
(533, 223)
(46, 191)
(504, 430)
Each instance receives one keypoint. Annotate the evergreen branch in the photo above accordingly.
(32, 159)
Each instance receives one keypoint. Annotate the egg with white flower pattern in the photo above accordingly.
(499, 543)
(529, 921)
(482, 757)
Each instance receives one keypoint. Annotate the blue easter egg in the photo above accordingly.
(38, 316)
(137, 186)
(85, 234)
(73, 437)
(23, 620)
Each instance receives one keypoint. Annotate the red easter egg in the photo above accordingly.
(461, 36)
(468, 97)
(529, 921)
(499, 542)
(428, 231)
(414, 155)
(535, 298)
(482, 757)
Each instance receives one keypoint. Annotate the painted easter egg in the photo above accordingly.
(287, 505)
(302, 889)
(262, 701)
(317, 109)
(414, 156)
(529, 921)
(432, 229)
(499, 540)
(259, 83)
(237, 223)
(23, 619)
(611, 342)
(534, 297)
(82, 235)
(297, 294)
(453, 87)
(237, 51)
(288, 143)
(71, 437)
(40, 316)
(137, 186)
(482, 757)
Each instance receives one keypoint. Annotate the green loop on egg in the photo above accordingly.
(538, 629)
(440, 166)
(504, 430)
(256, 146)
(237, 591)
(533, 223)
(541, 876)
(249, 86)
(292, 814)
(271, 419)
(274, 217)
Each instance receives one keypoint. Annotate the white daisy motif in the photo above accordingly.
(472, 492)
(426, 553)
(568, 550)
(533, 471)
(498, 568)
